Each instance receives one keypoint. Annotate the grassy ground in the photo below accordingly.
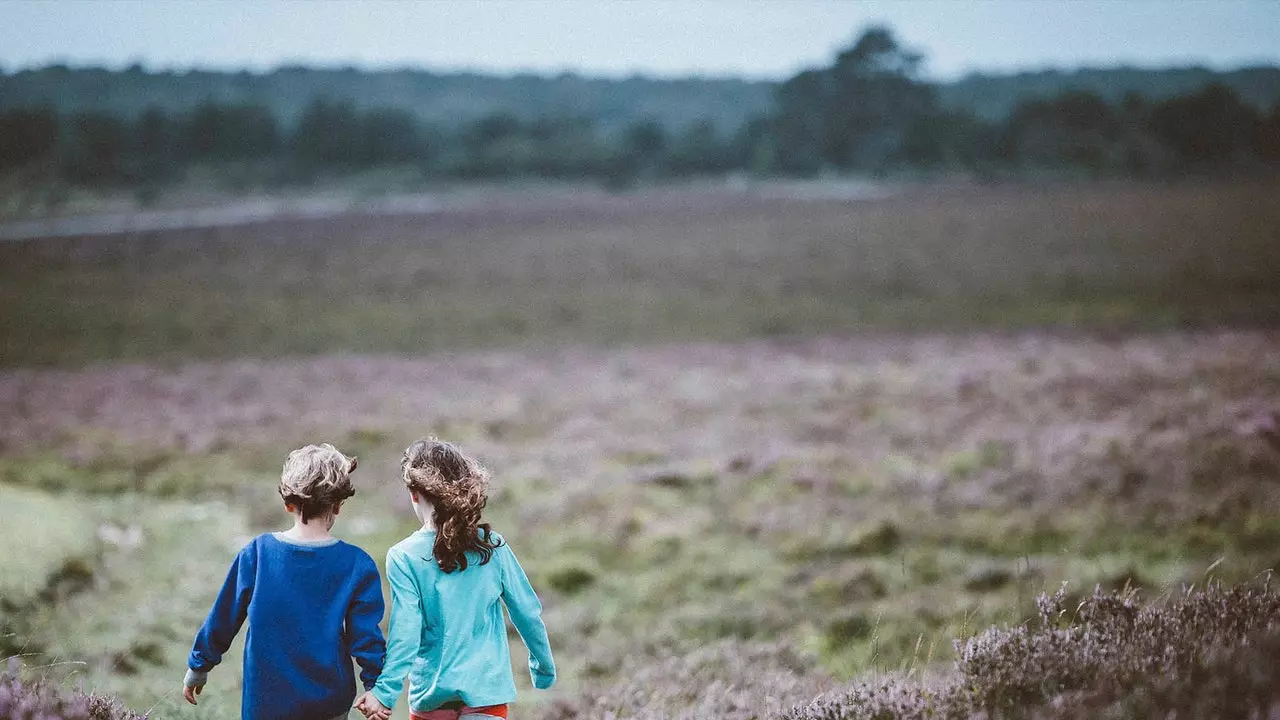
(651, 268)
(782, 512)
(64, 541)
(859, 501)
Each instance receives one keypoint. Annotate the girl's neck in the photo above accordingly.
(425, 512)
(317, 529)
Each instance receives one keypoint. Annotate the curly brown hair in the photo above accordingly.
(457, 487)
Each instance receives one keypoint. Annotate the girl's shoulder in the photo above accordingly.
(417, 545)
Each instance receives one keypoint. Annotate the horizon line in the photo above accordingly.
(550, 74)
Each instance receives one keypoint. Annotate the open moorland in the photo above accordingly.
(748, 449)
(652, 267)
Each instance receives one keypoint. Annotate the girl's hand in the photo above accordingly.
(372, 709)
(190, 692)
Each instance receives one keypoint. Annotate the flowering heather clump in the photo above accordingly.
(1209, 654)
(22, 700)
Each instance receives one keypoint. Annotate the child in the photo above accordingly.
(448, 583)
(312, 601)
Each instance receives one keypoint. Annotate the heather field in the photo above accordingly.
(750, 450)
(725, 264)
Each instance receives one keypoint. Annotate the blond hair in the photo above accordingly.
(315, 478)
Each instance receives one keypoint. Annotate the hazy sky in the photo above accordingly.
(755, 38)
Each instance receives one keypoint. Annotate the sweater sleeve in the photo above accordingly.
(228, 612)
(364, 637)
(404, 632)
(526, 614)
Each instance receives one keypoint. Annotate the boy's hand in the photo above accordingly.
(372, 708)
(192, 684)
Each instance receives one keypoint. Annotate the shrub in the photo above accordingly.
(1214, 653)
(570, 578)
(27, 700)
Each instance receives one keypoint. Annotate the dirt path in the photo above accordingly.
(263, 209)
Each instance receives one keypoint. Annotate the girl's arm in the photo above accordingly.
(227, 615)
(404, 632)
(363, 635)
(526, 614)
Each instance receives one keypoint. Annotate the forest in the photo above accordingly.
(868, 112)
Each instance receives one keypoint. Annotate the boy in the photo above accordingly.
(312, 601)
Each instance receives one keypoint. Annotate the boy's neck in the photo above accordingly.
(317, 529)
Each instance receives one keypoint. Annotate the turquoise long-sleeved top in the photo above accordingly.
(447, 634)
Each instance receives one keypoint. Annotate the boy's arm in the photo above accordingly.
(404, 632)
(364, 637)
(226, 616)
(526, 614)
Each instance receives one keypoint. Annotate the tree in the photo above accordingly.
(495, 146)
(27, 135)
(328, 135)
(95, 153)
(1077, 129)
(229, 132)
(950, 140)
(1210, 128)
(698, 150)
(800, 125)
(390, 136)
(1268, 138)
(639, 154)
(856, 113)
(153, 149)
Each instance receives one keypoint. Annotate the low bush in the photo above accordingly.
(35, 700)
(1213, 653)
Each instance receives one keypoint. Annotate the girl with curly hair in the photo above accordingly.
(449, 582)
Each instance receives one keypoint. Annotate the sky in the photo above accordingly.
(759, 39)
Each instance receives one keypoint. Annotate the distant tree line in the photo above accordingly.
(868, 112)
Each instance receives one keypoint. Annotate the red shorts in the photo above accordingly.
(453, 713)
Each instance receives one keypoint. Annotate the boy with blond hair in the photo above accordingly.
(312, 602)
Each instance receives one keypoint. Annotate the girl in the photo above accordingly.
(312, 601)
(449, 581)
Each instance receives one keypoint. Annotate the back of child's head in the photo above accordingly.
(457, 487)
(315, 478)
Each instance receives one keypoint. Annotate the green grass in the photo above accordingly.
(48, 537)
(654, 568)
(114, 470)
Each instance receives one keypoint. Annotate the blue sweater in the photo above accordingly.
(311, 608)
(447, 633)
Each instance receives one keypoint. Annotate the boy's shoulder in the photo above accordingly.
(357, 552)
(252, 545)
(358, 557)
(352, 553)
